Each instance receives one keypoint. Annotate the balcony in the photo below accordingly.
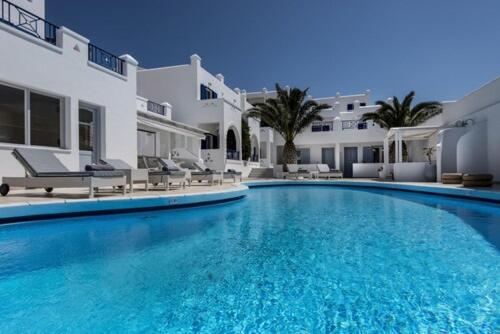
(106, 59)
(354, 124)
(156, 108)
(28, 22)
(147, 106)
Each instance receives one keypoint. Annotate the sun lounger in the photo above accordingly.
(294, 172)
(230, 174)
(45, 170)
(160, 174)
(133, 175)
(325, 171)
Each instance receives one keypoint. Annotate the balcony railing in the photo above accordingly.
(156, 108)
(233, 155)
(353, 124)
(28, 22)
(105, 59)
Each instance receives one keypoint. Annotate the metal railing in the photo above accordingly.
(105, 59)
(156, 108)
(233, 155)
(353, 124)
(28, 22)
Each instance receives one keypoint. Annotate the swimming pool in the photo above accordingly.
(284, 259)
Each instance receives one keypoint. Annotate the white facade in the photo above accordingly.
(471, 143)
(340, 140)
(202, 100)
(52, 71)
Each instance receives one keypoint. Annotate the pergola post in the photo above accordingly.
(386, 156)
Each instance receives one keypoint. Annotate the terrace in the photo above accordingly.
(25, 22)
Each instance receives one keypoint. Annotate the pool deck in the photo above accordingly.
(31, 204)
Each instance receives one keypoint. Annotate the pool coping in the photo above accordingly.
(25, 211)
(467, 193)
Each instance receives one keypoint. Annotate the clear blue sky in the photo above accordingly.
(442, 49)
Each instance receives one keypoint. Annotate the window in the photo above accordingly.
(29, 118)
(11, 115)
(211, 142)
(303, 155)
(362, 126)
(45, 120)
(350, 106)
(323, 126)
(207, 93)
(146, 143)
(362, 104)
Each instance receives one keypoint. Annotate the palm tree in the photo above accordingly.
(289, 114)
(397, 115)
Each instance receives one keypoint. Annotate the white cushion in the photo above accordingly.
(323, 168)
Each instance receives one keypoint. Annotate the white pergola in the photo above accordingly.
(407, 133)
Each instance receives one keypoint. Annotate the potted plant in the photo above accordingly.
(430, 168)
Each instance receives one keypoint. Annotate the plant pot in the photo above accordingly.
(430, 172)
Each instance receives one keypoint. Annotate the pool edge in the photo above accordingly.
(466, 193)
(25, 212)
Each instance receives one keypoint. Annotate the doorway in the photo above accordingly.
(350, 157)
(88, 135)
(328, 156)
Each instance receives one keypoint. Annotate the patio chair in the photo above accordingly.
(159, 174)
(171, 166)
(133, 175)
(229, 174)
(44, 170)
(325, 172)
(294, 171)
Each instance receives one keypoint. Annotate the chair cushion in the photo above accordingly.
(117, 163)
(293, 168)
(477, 177)
(323, 168)
(95, 167)
(170, 164)
(37, 161)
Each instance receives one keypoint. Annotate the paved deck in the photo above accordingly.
(29, 196)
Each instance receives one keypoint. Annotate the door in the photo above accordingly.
(350, 157)
(88, 136)
(328, 156)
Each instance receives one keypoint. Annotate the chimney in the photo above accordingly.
(220, 77)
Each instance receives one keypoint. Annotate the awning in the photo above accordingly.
(170, 126)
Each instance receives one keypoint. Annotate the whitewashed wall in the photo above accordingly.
(64, 71)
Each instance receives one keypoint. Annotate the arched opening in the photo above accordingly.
(232, 147)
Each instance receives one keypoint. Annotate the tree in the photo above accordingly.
(288, 114)
(246, 145)
(397, 115)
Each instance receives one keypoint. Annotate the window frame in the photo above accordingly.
(27, 116)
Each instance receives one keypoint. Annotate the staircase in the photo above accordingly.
(261, 173)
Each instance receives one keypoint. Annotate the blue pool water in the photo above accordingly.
(298, 259)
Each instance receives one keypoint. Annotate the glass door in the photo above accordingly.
(88, 136)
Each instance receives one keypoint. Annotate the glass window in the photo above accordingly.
(45, 120)
(316, 127)
(350, 106)
(11, 115)
(303, 155)
(362, 104)
(146, 143)
(207, 93)
(86, 130)
(362, 126)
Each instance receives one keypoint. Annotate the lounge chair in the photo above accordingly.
(295, 172)
(325, 171)
(133, 175)
(230, 174)
(45, 170)
(160, 174)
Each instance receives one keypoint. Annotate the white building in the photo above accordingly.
(60, 92)
(202, 100)
(340, 140)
